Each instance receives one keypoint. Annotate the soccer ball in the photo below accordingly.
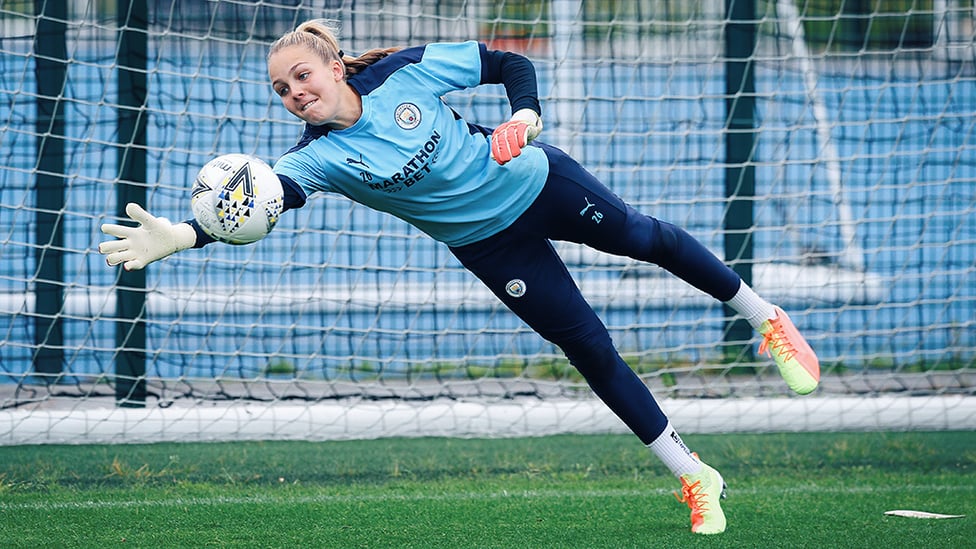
(237, 199)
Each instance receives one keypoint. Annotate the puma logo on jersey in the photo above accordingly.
(354, 162)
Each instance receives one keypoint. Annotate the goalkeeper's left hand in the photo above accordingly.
(508, 139)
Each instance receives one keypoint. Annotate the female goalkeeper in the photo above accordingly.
(378, 132)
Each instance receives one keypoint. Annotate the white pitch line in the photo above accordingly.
(464, 496)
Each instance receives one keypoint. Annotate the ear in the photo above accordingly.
(338, 71)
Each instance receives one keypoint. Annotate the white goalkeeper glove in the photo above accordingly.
(153, 239)
(508, 139)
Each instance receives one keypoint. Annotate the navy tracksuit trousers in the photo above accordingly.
(520, 266)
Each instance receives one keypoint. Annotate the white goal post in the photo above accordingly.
(345, 323)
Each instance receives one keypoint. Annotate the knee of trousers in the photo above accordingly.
(647, 238)
(667, 238)
(592, 353)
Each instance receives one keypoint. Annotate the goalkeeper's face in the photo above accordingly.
(313, 89)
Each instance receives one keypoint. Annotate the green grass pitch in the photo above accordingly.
(785, 490)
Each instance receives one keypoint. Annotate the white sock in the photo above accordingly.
(755, 309)
(672, 451)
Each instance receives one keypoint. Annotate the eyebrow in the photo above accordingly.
(290, 70)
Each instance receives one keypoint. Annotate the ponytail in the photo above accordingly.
(319, 36)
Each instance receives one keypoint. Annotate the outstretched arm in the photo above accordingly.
(155, 238)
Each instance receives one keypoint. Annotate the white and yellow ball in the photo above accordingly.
(237, 198)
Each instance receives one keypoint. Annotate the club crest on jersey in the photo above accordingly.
(515, 288)
(407, 116)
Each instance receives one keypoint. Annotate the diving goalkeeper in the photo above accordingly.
(377, 131)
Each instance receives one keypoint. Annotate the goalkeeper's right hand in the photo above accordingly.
(153, 239)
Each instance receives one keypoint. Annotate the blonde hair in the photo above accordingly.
(319, 36)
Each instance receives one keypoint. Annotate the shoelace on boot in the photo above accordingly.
(775, 341)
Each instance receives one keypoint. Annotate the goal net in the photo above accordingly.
(858, 179)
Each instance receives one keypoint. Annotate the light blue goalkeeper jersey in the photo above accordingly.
(412, 156)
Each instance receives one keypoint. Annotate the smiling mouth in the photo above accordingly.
(309, 104)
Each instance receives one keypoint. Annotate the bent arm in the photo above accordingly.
(516, 73)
